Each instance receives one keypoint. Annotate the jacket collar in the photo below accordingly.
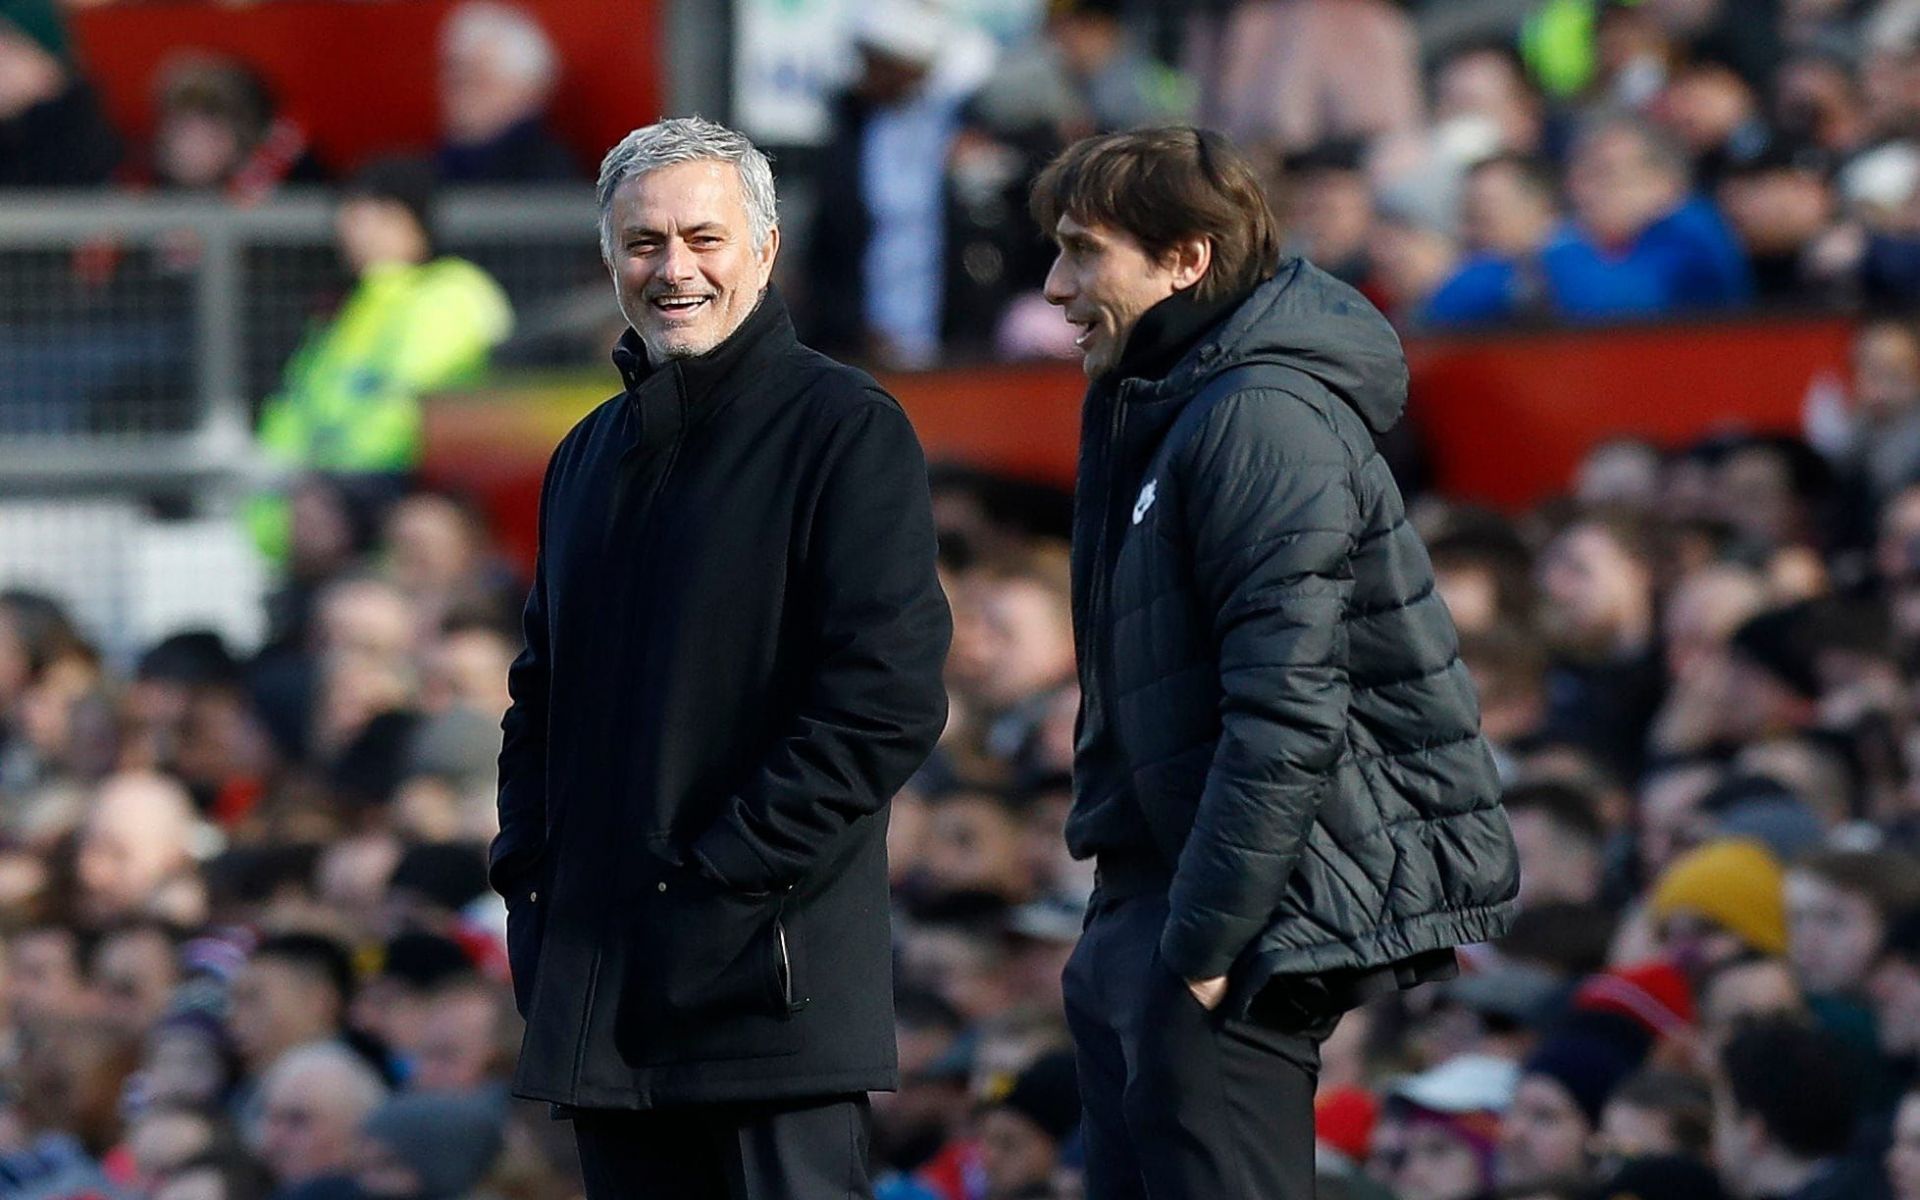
(1165, 333)
(767, 331)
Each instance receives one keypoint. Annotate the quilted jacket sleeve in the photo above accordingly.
(1271, 515)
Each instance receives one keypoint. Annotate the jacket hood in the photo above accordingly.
(1306, 319)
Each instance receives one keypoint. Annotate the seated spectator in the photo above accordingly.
(1438, 1134)
(296, 988)
(1783, 1117)
(1509, 670)
(1747, 990)
(498, 68)
(1557, 829)
(218, 129)
(191, 1061)
(430, 1146)
(1409, 255)
(1329, 210)
(469, 1038)
(1655, 1113)
(312, 1105)
(1638, 244)
(136, 853)
(52, 130)
(45, 974)
(1838, 906)
(1596, 578)
(1716, 117)
(416, 321)
(1507, 216)
(134, 969)
(1023, 1132)
(1018, 655)
(1719, 902)
(1085, 74)
(1547, 1133)
(1780, 203)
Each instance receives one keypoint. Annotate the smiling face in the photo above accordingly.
(1105, 282)
(684, 265)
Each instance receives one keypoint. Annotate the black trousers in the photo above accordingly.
(1180, 1103)
(772, 1151)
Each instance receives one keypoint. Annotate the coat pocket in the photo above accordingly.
(526, 921)
(714, 974)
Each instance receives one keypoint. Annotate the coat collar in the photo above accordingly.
(767, 331)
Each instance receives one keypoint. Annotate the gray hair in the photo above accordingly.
(524, 48)
(682, 140)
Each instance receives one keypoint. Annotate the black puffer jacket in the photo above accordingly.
(1265, 654)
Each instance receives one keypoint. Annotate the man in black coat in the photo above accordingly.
(1279, 769)
(734, 646)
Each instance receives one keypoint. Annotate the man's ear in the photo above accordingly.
(770, 251)
(1190, 259)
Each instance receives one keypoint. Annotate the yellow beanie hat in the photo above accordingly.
(1736, 884)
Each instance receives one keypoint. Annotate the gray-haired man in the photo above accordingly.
(734, 643)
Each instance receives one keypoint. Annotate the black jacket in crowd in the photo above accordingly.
(1274, 710)
(734, 646)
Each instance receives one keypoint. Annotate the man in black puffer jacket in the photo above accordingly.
(1279, 769)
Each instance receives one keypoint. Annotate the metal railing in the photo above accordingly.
(139, 335)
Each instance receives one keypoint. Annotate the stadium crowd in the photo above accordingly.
(248, 946)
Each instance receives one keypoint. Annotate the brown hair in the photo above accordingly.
(1161, 187)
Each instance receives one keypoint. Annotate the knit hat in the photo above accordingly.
(424, 960)
(1783, 643)
(1343, 1118)
(1587, 1065)
(450, 875)
(1734, 883)
(1654, 995)
(1765, 810)
(449, 1139)
(1048, 1094)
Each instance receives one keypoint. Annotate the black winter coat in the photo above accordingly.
(1268, 673)
(734, 646)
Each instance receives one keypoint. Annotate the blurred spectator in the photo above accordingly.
(136, 853)
(135, 969)
(1719, 902)
(295, 989)
(498, 69)
(1329, 209)
(1508, 214)
(218, 129)
(1779, 202)
(1023, 1132)
(416, 321)
(312, 1104)
(1838, 906)
(1438, 1135)
(876, 257)
(1558, 831)
(469, 1038)
(1547, 1133)
(1783, 1118)
(1297, 73)
(430, 1146)
(1639, 243)
(1596, 580)
(1658, 1113)
(52, 130)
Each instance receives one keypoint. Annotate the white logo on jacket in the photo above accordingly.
(1145, 501)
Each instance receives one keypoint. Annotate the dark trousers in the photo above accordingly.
(1181, 1103)
(809, 1151)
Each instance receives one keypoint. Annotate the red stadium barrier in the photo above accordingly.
(381, 53)
(1506, 418)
